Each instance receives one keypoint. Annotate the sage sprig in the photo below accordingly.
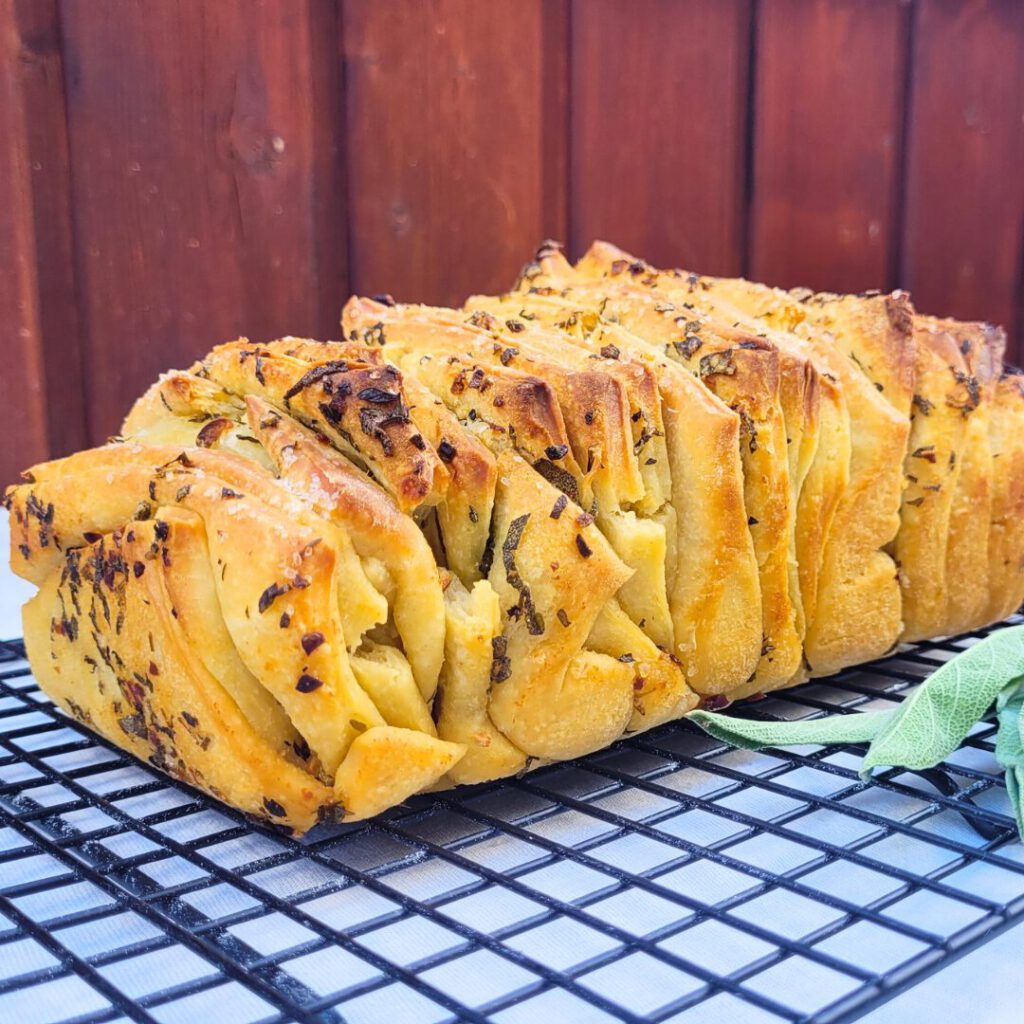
(927, 727)
(1010, 747)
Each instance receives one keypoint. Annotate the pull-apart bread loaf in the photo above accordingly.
(314, 578)
(293, 586)
(904, 495)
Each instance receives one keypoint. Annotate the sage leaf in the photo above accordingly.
(927, 727)
(753, 735)
(1009, 740)
(1014, 787)
(1010, 746)
(934, 720)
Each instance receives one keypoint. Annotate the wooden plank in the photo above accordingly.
(828, 120)
(41, 82)
(23, 425)
(201, 182)
(965, 200)
(328, 200)
(456, 140)
(658, 115)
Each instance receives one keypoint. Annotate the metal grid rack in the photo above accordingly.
(669, 878)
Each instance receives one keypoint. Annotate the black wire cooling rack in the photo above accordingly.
(667, 878)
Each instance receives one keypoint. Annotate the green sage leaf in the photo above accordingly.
(753, 735)
(927, 727)
(1009, 740)
(934, 720)
(1014, 789)
(1010, 746)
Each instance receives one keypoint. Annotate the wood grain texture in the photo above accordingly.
(202, 192)
(659, 106)
(965, 194)
(175, 172)
(828, 119)
(456, 142)
(41, 83)
(24, 435)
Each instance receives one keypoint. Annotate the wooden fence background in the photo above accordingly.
(173, 174)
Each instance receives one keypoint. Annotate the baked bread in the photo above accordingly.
(314, 578)
(693, 481)
(851, 603)
(232, 549)
(743, 371)
(981, 347)
(1006, 530)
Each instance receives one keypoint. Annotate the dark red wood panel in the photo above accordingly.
(829, 90)
(456, 137)
(658, 114)
(176, 173)
(41, 81)
(965, 189)
(206, 197)
(23, 427)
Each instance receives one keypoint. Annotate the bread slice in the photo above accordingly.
(967, 591)
(743, 370)
(946, 397)
(1006, 532)
(711, 571)
(527, 393)
(858, 605)
(360, 406)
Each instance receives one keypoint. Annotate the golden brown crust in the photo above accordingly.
(182, 394)
(184, 410)
(812, 409)
(592, 394)
(876, 331)
(982, 347)
(317, 352)
(595, 410)
(510, 407)
(743, 371)
(263, 549)
(600, 393)
(465, 514)
(377, 526)
(945, 399)
(1006, 532)
(640, 479)
(812, 405)
(857, 611)
(711, 568)
(360, 406)
(970, 517)
(144, 688)
(632, 485)
(822, 487)
(511, 410)
(278, 570)
(606, 347)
